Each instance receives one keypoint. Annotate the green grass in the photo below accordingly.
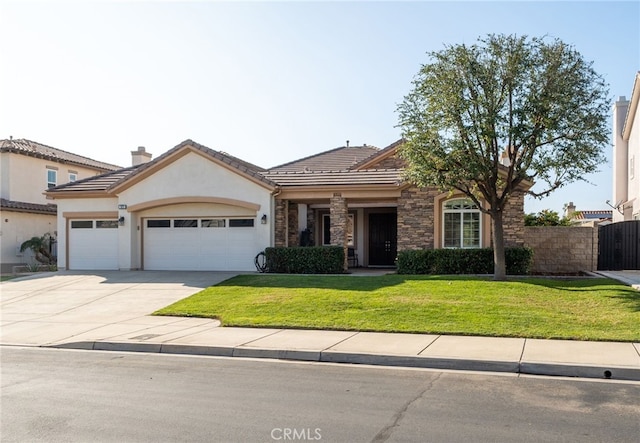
(7, 277)
(582, 309)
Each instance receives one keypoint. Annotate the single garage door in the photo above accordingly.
(93, 244)
(200, 244)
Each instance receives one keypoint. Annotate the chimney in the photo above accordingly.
(569, 210)
(140, 156)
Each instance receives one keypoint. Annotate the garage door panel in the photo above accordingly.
(92, 248)
(206, 248)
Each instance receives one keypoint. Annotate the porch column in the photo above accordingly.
(338, 218)
(280, 224)
(293, 238)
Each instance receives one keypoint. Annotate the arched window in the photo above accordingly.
(461, 224)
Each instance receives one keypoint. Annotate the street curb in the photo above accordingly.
(584, 371)
(516, 367)
(419, 362)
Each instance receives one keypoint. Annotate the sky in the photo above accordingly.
(268, 82)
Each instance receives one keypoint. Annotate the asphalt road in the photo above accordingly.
(62, 395)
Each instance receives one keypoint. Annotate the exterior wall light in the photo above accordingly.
(263, 220)
(121, 221)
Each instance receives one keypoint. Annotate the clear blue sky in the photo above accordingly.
(268, 82)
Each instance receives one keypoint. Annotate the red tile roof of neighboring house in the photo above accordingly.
(593, 215)
(338, 159)
(35, 149)
(34, 208)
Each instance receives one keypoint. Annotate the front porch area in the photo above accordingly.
(367, 230)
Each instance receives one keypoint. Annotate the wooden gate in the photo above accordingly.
(619, 246)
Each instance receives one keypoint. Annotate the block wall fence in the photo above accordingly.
(562, 249)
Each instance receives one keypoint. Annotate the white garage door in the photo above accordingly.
(93, 244)
(200, 244)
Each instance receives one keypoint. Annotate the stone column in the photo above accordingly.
(513, 220)
(311, 224)
(338, 216)
(293, 238)
(280, 234)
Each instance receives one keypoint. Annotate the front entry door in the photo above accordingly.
(383, 239)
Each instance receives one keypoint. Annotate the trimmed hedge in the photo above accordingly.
(307, 260)
(462, 261)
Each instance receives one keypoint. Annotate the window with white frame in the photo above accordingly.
(73, 176)
(461, 224)
(52, 178)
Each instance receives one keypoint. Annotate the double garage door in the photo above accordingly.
(200, 244)
(194, 244)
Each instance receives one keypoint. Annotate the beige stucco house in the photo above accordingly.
(626, 156)
(199, 209)
(27, 170)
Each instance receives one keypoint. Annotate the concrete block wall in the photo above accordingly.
(562, 249)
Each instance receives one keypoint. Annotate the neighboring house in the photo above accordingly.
(590, 218)
(27, 169)
(199, 209)
(626, 156)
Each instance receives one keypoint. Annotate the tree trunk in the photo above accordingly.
(500, 267)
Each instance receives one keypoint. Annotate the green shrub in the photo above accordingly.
(462, 261)
(305, 260)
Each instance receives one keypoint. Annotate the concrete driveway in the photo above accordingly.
(51, 308)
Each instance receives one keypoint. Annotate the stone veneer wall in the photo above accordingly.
(292, 230)
(415, 218)
(339, 213)
(513, 220)
(311, 224)
(562, 249)
(280, 228)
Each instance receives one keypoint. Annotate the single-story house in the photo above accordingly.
(194, 208)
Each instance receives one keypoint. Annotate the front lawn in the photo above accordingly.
(583, 309)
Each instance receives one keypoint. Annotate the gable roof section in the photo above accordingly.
(34, 149)
(246, 169)
(98, 184)
(338, 159)
(382, 154)
(109, 183)
(32, 208)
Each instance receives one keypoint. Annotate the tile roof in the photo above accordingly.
(28, 207)
(593, 215)
(381, 153)
(96, 183)
(110, 180)
(338, 159)
(320, 178)
(241, 165)
(35, 149)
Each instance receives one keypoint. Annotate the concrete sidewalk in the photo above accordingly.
(109, 312)
(528, 356)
